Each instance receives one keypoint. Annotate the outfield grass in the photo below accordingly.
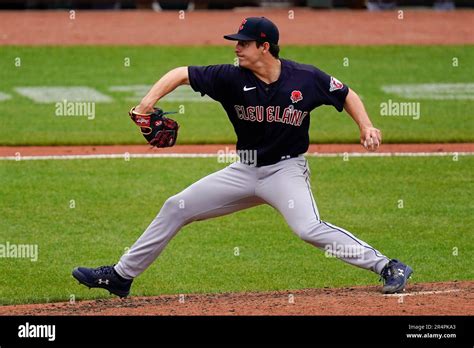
(115, 200)
(23, 122)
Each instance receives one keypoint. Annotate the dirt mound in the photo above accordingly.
(445, 298)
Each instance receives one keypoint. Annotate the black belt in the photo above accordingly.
(269, 163)
(288, 157)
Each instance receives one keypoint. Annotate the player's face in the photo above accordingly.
(248, 53)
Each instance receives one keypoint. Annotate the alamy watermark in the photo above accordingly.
(68, 108)
(344, 251)
(227, 155)
(20, 251)
(394, 108)
(37, 331)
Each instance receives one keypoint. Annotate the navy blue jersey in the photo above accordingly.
(272, 119)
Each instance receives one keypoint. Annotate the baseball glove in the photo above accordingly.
(158, 130)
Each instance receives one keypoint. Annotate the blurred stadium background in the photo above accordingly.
(229, 4)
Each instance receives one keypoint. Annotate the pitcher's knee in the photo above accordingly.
(174, 207)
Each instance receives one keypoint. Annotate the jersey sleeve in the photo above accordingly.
(330, 91)
(210, 80)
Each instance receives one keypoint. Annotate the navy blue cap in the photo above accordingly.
(256, 29)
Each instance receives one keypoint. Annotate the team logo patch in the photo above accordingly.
(335, 84)
(296, 96)
(158, 123)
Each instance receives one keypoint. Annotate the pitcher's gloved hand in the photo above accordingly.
(158, 130)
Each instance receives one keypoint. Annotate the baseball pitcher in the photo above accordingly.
(268, 101)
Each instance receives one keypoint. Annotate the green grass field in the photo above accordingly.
(115, 200)
(23, 122)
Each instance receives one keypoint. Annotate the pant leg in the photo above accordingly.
(287, 188)
(223, 192)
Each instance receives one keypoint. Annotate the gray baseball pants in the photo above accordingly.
(284, 186)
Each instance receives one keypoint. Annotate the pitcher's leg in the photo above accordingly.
(294, 200)
(220, 193)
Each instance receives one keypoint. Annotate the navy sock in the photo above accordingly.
(119, 277)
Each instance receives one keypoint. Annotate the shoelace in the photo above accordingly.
(104, 271)
(387, 272)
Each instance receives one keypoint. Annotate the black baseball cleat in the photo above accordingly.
(395, 275)
(103, 277)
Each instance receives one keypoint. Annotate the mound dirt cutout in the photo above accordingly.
(445, 298)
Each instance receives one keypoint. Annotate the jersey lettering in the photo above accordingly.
(290, 115)
(251, 113)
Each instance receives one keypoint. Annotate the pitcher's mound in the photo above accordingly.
(445, 298)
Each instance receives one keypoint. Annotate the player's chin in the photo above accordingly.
(242, 62)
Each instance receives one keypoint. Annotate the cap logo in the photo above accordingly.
(242, 24)
(263, 35)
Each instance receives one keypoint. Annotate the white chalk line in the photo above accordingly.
(225, 157)
(389, 154)
(109, 156)
(424, 293)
